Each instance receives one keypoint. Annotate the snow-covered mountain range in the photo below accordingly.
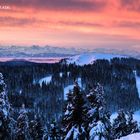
(50, 51)
(80, 59)
(89, 58)
(37, 51)
(48, 54)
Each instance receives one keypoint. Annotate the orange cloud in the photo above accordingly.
(82, 23)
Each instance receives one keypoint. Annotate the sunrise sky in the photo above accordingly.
(71, 23)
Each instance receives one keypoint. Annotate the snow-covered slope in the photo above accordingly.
(68, 88)
(137, 82)
(46, 80)
(135, 136)
(89, 58)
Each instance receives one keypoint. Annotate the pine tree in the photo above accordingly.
(36, 129)
(99, 120)
(6, 122)
(75, 116)
(22, 131)
(132, 126)
(120, 125)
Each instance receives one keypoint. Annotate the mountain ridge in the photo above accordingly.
(51, 51)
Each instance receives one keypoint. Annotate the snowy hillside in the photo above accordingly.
(46, 80)
(137, 82)
(89, 58)
(135, 136)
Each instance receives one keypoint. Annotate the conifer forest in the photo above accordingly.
(35, 105)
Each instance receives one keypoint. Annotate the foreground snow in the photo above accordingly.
(135, 136)
(89, 58)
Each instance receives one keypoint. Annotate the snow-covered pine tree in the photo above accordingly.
(99, 120)
(120, 125)
(6, 122)
(132, 126)
(36, 129)
(22, 130)
(75, 116)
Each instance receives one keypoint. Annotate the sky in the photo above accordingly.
(71, 23)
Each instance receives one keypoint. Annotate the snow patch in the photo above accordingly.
(70, 87)
(113, 116)
(137, 116)
(46, 80)
(66, 91)
(61, 74)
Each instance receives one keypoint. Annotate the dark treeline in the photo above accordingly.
(117, 77)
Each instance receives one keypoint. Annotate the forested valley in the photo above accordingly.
(105, 87)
